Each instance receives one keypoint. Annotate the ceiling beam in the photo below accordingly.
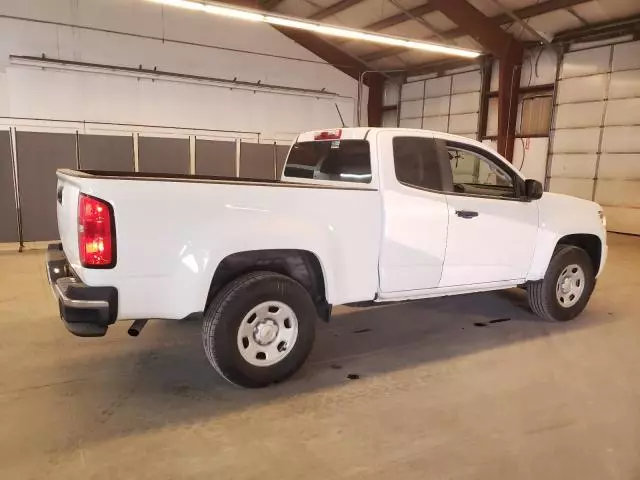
(270, 4)
(502, 19)
(333, 9)
(401, 17)
(336, 57)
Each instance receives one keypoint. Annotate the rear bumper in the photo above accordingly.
(86, 311)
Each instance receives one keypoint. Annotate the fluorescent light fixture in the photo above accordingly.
(226, 10)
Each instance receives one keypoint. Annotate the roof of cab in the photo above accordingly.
(360, 133)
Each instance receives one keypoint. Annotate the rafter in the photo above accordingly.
(333, 9)
(502, 19)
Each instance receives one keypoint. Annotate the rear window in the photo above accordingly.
(337, 160)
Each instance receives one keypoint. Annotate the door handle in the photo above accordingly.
(466, 213)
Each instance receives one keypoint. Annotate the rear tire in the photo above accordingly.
(259, 329)
(567, 285)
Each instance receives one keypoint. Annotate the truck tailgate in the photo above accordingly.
(67, 211)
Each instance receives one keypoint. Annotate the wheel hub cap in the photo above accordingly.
(265, 332)
(570, 285)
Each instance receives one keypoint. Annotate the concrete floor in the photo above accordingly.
(437, 397)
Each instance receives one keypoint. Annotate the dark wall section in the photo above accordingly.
(281, 156)
(8, 221)
(39, 155)
(163, 155)
(106, 152)
(215, 158)
(257, 160)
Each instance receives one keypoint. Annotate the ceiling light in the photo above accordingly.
(226, 10)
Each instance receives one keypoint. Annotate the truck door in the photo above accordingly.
(492, 230)
(415, 214)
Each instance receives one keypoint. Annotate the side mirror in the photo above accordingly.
(533, 189)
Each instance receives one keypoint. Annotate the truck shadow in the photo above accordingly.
(165, 379)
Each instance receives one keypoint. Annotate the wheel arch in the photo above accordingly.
(302, 266)
(589, 242)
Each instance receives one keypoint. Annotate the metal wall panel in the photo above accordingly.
(412, 91)
(411, 123)
(580, 188)
(619, 166)
(618, 193)
(625, 84)
(106, 152)
(621, 139)
(436, 106)
(8, 219)
(281, 156)
(573, 115)
(391, 94)
(466, 82)
(623, 112)
(438, 124)
(586, 62)
(214, 157)
(39, 155)
(411, 109)
(163, 155)
(626, 56)
(623, 219)
(583, 140)
(257, 160)
(465, 103)
(574, 166)
(467, 123)
(582, 89)
(438, 87)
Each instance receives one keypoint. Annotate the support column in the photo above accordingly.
(374, 104)
(510, 70)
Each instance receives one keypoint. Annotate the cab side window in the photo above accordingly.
(418, 164)
(475, 174)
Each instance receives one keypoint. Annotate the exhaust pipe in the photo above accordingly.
(136, 327)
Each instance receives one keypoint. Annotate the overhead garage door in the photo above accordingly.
(596, 144)
(445, 104)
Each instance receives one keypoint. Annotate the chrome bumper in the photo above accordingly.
(86, 311)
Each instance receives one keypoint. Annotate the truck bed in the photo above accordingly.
(185, 177)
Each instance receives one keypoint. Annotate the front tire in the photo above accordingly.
(567, 285)
(259, 329)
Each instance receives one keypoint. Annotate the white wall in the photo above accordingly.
(153, 36)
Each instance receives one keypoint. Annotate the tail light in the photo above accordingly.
(96, 233)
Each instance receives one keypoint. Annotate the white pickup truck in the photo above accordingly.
(359, 215)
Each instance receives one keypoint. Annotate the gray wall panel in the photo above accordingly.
(256, 160)
(106, 152)
(281, 156)
(163, 155)
(215, 157)
(39, 155)
(8, 221)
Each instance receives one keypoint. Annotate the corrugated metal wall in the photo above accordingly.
(596, 142)
(449, 103)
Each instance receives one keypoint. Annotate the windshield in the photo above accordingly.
(337, 160)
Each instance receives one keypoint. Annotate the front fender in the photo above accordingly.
(562, 215)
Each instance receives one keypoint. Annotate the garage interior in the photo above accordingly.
(472, 386)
